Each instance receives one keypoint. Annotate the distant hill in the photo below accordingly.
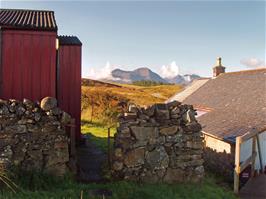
(140, 74)
(182, 79)
(137, 75)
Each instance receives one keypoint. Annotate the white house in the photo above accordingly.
(230, 105)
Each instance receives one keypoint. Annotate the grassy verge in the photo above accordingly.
(47, 187)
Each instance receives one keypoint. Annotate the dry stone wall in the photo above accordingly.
(33, 136)
(161, 143)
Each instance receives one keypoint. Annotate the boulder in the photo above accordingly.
(48, 103)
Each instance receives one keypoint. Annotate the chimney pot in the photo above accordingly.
(219, 61)
(219, 68)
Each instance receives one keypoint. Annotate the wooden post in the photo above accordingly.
(109, 150)
(81, 194)
(259, 150)
(237, 165)
(254, 144)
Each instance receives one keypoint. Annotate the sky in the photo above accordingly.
(169, 37)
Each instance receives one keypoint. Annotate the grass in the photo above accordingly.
(97, 133)
(5, 180)
(48, 187)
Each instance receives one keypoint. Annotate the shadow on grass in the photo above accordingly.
(97, 134)
(99, 142)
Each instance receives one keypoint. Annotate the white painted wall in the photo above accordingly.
(216, 144)
(246, 150)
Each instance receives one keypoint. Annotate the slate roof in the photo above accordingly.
(237, 101)
(69, 40)
(191, 88)
(28, 19)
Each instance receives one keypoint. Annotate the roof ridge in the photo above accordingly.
(243, 71)
(67, 36)
(20, 9)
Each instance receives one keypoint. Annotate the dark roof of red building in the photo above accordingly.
(237, 101)
(69, 40)
(28, 19)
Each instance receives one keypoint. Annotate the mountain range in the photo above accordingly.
(144, 73)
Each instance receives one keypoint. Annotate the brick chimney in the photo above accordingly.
(218, 68)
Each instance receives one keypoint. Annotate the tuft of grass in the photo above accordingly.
(6, 181)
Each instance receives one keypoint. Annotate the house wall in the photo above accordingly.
(28, 65)
(246, 150)
(216, 144)
(69, 82)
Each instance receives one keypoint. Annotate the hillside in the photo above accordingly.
(146, 74)
(100, 100)
(137, 75)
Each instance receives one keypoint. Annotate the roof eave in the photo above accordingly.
(5, 27)
(218, 138)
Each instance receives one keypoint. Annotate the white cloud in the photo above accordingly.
(101, 73)
(253, 63)
(169, 71)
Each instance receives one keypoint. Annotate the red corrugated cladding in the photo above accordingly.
(28, 64)
(69, 84)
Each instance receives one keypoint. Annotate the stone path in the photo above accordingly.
(90, 160)
(255, 188)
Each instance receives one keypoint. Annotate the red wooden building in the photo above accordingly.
(69, 79)
(33, 65)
